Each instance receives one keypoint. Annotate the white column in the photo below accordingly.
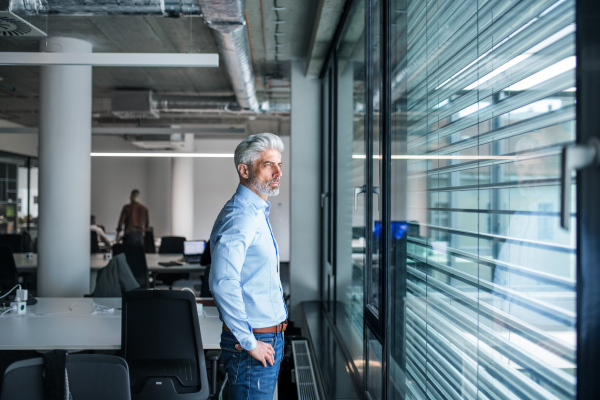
(64, 174)
(305, 187)
(182, 193)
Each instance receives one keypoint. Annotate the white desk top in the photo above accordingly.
(97, 261)
(70, 324)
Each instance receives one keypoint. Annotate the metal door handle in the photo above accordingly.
(376, 191)
(323, 197)
(363, 189)
(358, 190)
(574, 157)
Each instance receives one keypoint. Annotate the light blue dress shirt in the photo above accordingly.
(244, 275)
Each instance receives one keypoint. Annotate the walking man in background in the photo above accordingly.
(244, 276)
(134, 216)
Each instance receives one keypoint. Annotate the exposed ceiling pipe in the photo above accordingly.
(168, 8)
(226, 18)
(181, 103)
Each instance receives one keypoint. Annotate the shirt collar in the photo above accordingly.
(253, 198)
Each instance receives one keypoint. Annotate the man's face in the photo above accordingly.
(264, 175)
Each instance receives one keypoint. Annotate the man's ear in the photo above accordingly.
(243, 170)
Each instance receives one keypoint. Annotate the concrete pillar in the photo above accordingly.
(65, 139)
(182, 192)
(305, 194)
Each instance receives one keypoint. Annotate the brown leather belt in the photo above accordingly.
(269, 329)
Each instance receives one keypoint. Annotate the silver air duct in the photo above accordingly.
(168, 8)
(226, 18)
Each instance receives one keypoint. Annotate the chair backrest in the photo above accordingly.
(91, 377)
(94, 248)
(136, 258)
(206, 258)
(171, 244)
(19, 243)
(8, 269)
(205, 287)
(149, 246)
(161, 341)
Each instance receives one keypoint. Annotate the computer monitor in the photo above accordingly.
(398, 229)
(194, 247)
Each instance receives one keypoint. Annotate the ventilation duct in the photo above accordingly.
(191, 104)
(168, 8)
(174, 141)
(144, 104)
(226, 18)
(128, 104)
(11, 22)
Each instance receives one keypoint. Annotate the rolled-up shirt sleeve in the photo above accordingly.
(228, 245)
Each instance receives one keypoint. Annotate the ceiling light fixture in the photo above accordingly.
(434, 157)
(111, 59)
(163, 155)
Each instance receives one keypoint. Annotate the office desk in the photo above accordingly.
(69, 323)
(97, 262)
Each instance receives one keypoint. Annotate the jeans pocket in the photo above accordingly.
(228, 344)
(231, 357)
(269, 340)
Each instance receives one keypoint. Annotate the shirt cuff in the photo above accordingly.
(248, 343)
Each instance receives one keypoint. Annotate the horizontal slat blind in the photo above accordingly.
(490, 304)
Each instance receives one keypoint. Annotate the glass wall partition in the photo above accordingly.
(490, 276)
(351, 201)
(454, 271)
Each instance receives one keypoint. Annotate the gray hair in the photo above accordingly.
(250, 149)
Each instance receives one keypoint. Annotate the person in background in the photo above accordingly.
(244, 277)
(100, 233)
(134, 220)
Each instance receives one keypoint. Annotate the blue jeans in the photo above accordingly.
(247, 379)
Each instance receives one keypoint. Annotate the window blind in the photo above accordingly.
(489, 94)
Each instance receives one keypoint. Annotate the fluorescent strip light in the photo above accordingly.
(424, 157)
(236, 129)
(189, 155)
(111, 59)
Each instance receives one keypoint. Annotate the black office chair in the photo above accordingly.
(19, 243)
(94, 247)
(161, 342)
(91, 377)
(8, 269)
(149, 246)
(171, 245)
(205, 260)
(136, 258)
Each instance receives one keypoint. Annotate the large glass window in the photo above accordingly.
(18, 194)
(351, 234)
(483, 100)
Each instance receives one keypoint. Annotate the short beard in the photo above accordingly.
(263, 188)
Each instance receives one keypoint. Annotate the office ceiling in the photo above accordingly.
(279, 31)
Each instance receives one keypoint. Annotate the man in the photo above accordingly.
(244, 277)
(134, 216)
